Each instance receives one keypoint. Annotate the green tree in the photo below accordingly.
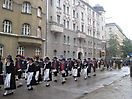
(112, 47)
(126, 47)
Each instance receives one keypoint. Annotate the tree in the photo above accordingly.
(126, 47)
(112, 47)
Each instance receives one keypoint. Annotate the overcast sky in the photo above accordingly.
(120, 11)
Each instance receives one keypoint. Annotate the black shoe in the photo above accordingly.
(30, 88)
(94, 75)
(63, 82)
(10, 93)
(5, 94)
(55, 80)
(0, 86)
(85, 78)
(75, 80)
(19, 86)
(89, 76)
(47, 85)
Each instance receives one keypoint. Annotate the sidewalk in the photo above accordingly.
(121, 89)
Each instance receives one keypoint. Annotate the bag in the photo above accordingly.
(7, 81)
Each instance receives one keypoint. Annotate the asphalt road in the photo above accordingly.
(71, 89)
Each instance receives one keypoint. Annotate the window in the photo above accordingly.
(68, 24)
(68, 40)
(39, 12)
(75, 42)
(110, 29)
(7, 25)
(85, 55)
(77, 15)
(20, 50)
(73, 55)
(1, 49)
(26, 7)
(84, 43)
(38, 51)
(74, 27)
(58, 3)
(82, 28)
(7, 4)
(82, 16)
(51, 2)
(64, 53)
(58, 19)
(80, 42)
(74, 13)
(73, 1)
(68, 54)
(25, 29)
(55, 38)
(39, 32)
(67, 10)
(55, 53)
(51, 18)
(64, 8)
(64, 39)
(64, 23)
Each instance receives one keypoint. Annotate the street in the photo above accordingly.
(71, 89)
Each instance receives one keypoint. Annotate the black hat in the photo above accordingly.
(31, 59)
(55, 57)
(9, 57)
(47, 58)
(37, 62)
(63, 59)
(18, 55)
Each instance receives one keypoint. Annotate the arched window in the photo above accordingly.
(26, 7)
(68, 40)
(64, 39)
(55, 53)
(39, 12)
(20, 50)
(68, 54)
(7, 25)
(55, 38)
(38, 51)
(39, 32)
(25, 29)
(7, 4)
(1, 49)
(73, 55)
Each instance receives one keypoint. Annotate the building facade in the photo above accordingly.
(74, 29)
(113, 28)
(22, 27)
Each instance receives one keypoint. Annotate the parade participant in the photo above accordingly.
(63, 68)
(85, 69)
(55, 67)
(75, 70)
(69, 66)
(24, 63)
(94, 66)
(1, 72)
(31, 70)
(102, 64)
(110, 64)
(114, 63)
(19, 67)
(38, 72)
(79, 67)
(47, 71)
(26, 68)
(9, 83)
(89, 67)
(41, 63)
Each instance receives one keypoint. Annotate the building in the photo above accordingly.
(113, 28)
(74, 29)
(22, 27)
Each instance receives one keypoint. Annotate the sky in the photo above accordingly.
(120, 11)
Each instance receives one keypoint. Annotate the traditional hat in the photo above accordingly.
(18, 55)
(31, 59)
(37, 62)
(55, 57)
(47, 58)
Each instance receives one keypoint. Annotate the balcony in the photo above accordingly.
(81, 35)
(56, 28)
(30, 40)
